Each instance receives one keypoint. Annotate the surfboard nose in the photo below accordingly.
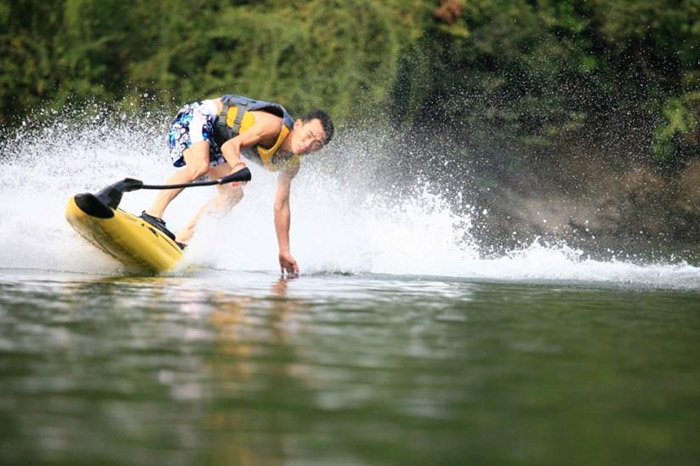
(93, 206)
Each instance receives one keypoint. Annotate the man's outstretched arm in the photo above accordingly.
(265, 127)
(283, 220)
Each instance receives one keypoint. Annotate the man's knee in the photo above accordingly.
(197, 159)
(197, 169)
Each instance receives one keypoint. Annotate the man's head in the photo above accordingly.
(312, 132)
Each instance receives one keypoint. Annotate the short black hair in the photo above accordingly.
(325, 120)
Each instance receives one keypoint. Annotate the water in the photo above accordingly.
(244, 368)
(399, 344)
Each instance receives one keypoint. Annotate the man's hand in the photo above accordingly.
(288, 264)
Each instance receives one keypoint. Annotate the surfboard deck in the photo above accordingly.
(129, 239)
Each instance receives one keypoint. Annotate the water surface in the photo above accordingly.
(242, 368)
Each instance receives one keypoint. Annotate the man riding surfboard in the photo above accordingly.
(208, 138)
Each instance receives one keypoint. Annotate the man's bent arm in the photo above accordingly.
(263, 128)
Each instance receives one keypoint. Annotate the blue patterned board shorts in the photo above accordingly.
(194, 123)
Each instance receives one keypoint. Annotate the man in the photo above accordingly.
(208, 138)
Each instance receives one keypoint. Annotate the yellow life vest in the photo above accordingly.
(236, 118)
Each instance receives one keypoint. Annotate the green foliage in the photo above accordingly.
(539, 70)
(25, 44)
(679, 135)
(511, 72)
(332, 54)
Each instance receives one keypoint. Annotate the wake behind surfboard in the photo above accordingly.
(131, 240)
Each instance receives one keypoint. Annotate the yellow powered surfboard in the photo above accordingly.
(129, 239)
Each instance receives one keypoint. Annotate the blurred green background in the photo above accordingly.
(537, 68)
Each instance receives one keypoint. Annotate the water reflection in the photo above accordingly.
(234, 368)
(241, 321)
(252, 368)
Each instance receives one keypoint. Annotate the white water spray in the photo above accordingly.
(340, 222)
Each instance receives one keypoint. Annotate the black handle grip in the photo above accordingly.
(129, 184)
(241, 175)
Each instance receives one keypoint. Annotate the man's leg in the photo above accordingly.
(196, 166)
(228, 195)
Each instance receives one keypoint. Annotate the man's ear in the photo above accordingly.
(298, 123)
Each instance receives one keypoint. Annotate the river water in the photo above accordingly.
(400, 343)
(246, 368)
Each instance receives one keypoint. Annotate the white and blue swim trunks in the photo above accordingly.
(194, 123)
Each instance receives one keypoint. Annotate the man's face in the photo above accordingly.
(308, 136)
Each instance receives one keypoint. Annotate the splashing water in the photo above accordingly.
(345, 219)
